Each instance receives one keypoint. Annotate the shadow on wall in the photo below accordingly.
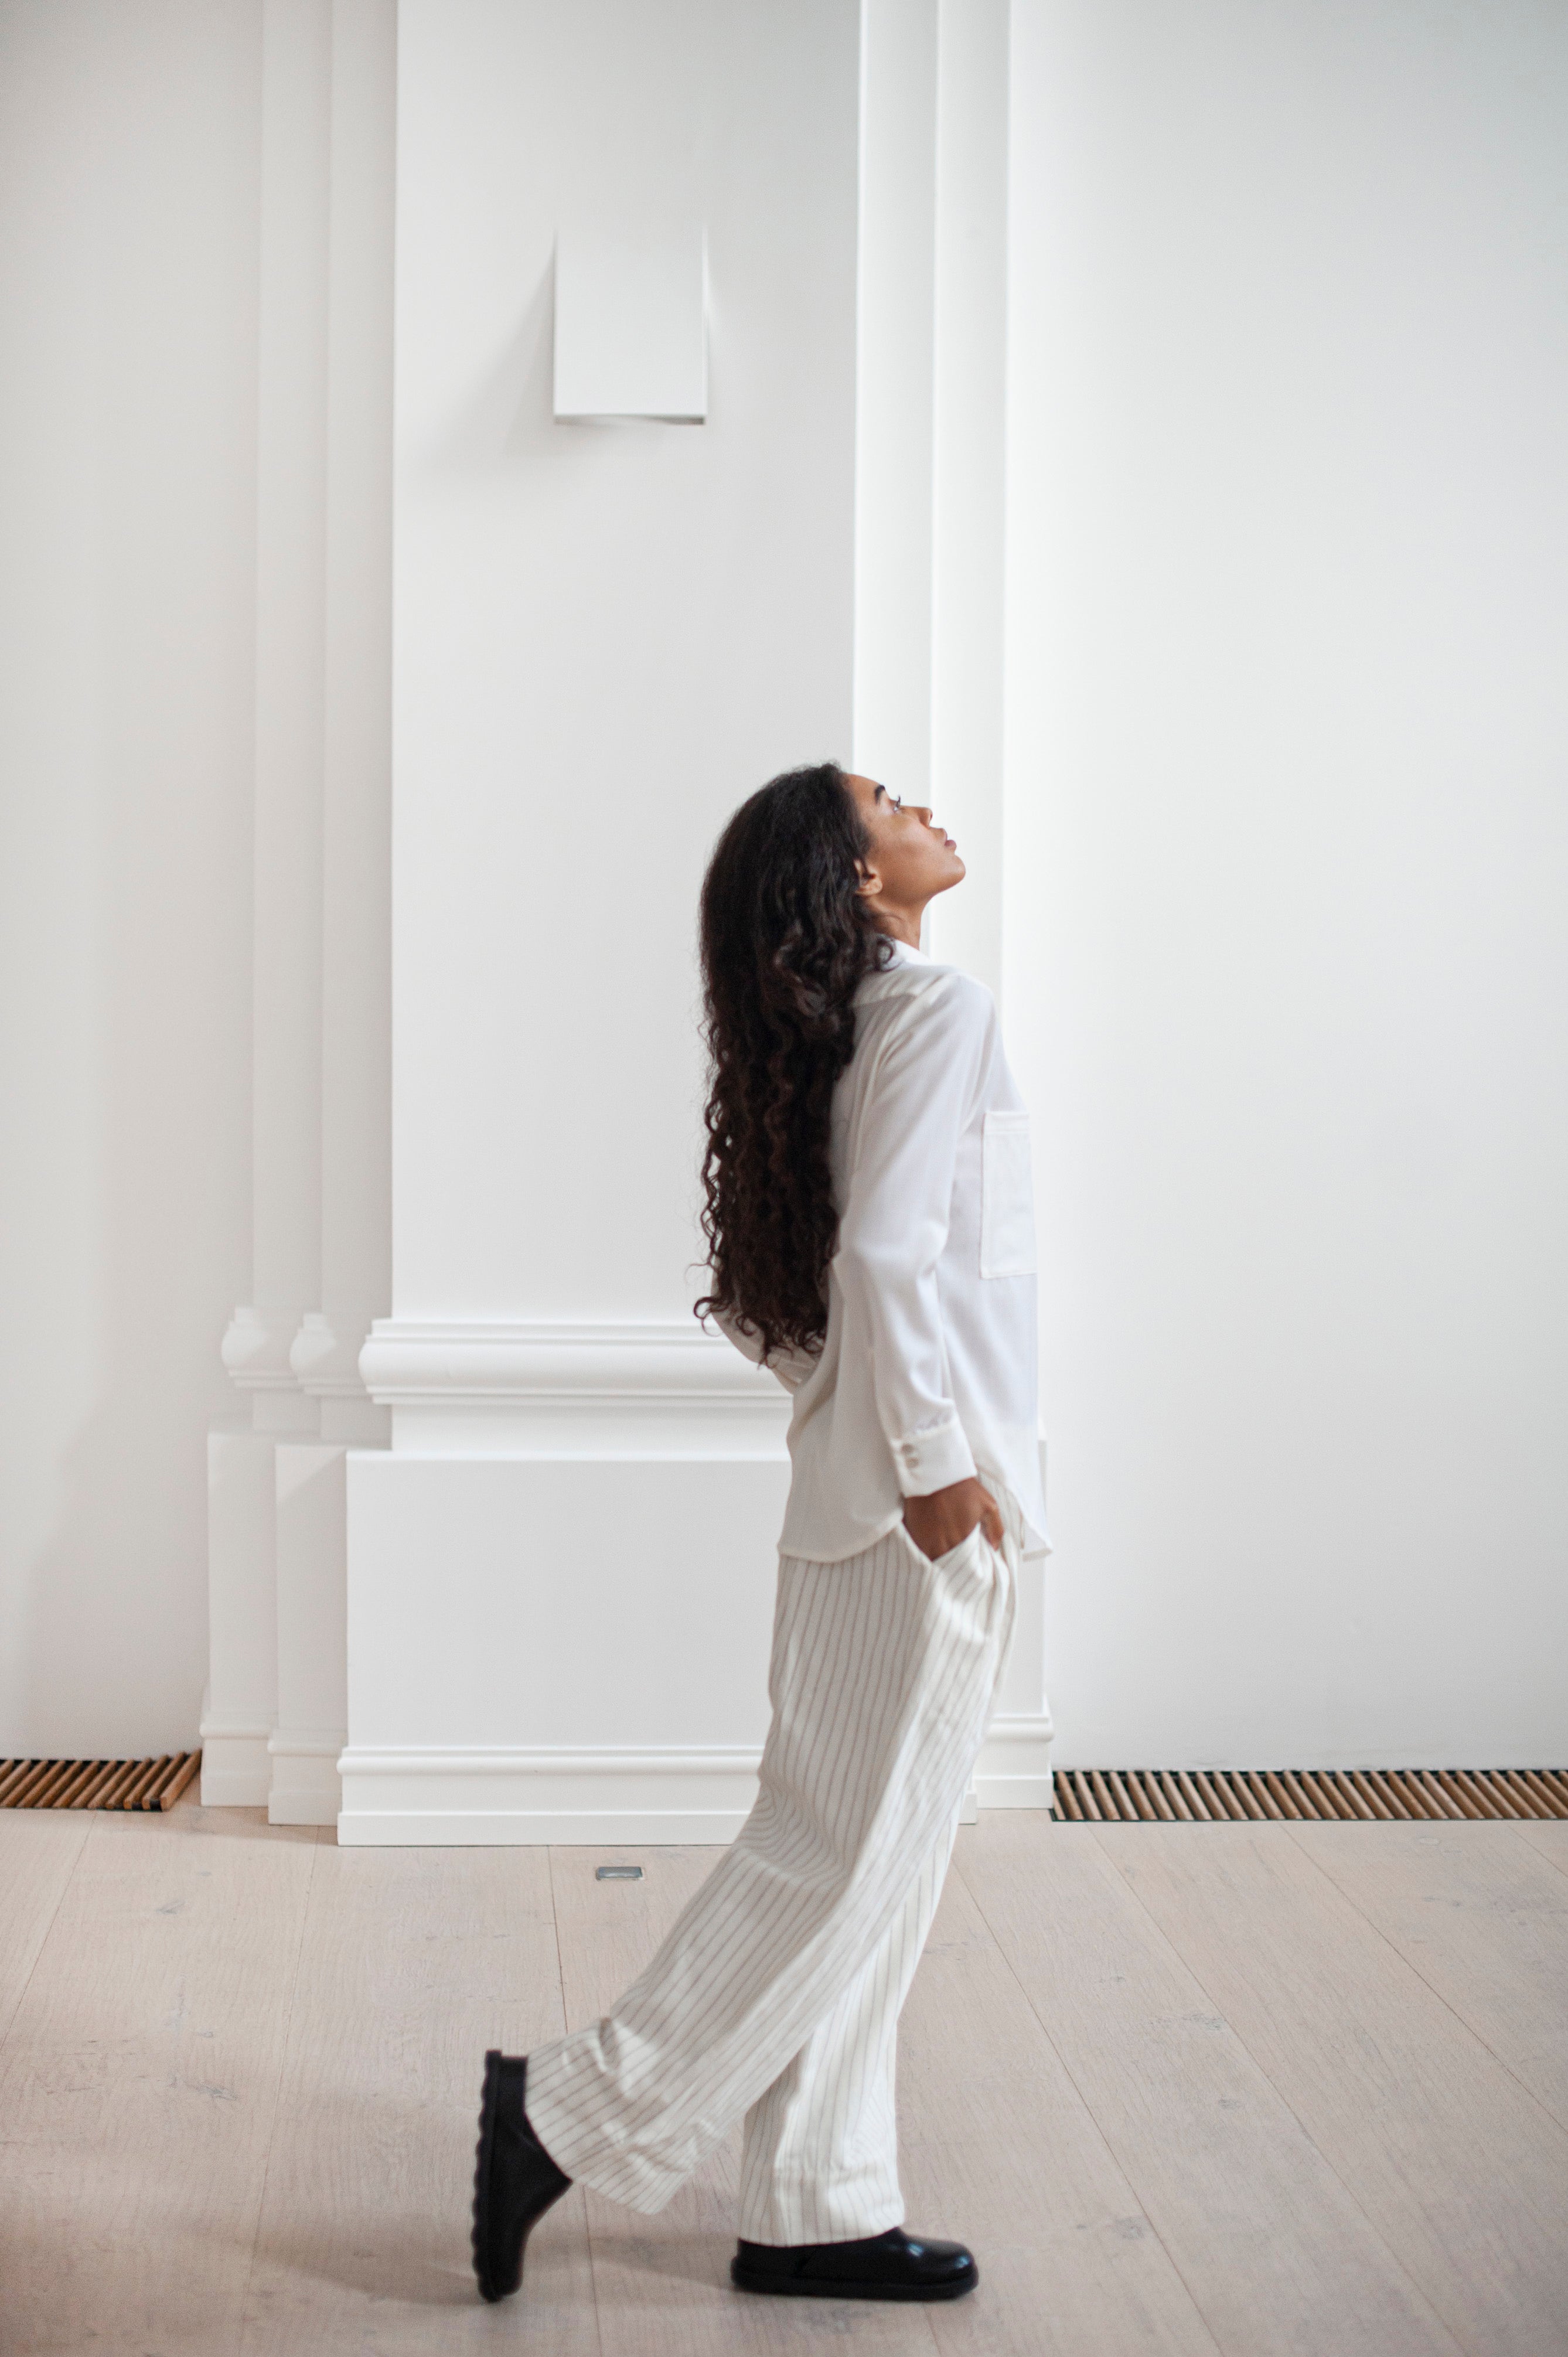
(510, 413)
(129, 188)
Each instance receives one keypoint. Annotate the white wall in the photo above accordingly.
(1287, 863)
(605, 634)
(128, 227)
(1284, 815)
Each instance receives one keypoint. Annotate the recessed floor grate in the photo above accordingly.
(96, 1783)
(1218, 1795)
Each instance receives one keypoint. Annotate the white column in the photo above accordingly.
(930, 502)
(932, 433)
(240, 1709)
(896, 331)
(356, 1036)
(356, 1209)
(291, 583)
(561, 1574)
(969, 473)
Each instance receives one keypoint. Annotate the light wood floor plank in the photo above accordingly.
(139, 2081)
(1548, 1837)
(1278, 2256)
(414, 1961)
(1459, 2169)
(1484, 1920)
(997, 2147)
(38, 1851)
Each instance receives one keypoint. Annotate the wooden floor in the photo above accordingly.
(1185, 2089)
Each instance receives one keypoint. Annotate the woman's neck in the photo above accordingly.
(903, 924)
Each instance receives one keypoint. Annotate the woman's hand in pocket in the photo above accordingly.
(945, 1518)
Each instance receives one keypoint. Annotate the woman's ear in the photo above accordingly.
(870, 883)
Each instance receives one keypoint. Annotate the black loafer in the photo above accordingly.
(515, 2181)
(895, 2265)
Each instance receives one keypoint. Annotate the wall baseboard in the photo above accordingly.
(236, 1769)
(307, 1789)
(610, 1798)
(527, 1828)
(1014, 1771)
(546, 1793)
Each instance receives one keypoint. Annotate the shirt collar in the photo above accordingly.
(903, 955)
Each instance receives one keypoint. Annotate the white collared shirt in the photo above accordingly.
(928, 1373)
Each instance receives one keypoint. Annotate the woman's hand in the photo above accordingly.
(940, 1521)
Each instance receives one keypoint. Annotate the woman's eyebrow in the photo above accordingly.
(880, 795)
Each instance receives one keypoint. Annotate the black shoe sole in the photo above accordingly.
(483, 2156)
(549, 2184)
(814, 2288)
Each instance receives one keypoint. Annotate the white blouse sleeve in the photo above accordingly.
(894, 1224)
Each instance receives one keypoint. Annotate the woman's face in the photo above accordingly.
(910, 859)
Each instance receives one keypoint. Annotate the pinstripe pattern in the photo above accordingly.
(777, 1993)
(821, 2159)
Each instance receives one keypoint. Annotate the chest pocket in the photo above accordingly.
(1006, 1197)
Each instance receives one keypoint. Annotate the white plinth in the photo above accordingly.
(312, 1634)
(239, 1707)
(556, 1649)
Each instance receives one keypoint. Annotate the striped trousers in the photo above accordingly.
(777, 1994)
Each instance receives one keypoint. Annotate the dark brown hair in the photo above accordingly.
(786, 943)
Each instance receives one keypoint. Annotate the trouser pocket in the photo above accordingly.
(976, 1545)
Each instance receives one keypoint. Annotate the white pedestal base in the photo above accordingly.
(549, 1651)
(236, 1772)
(240, 1708)
(312, 1634)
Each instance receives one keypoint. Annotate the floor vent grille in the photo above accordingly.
(1218, 1795)
(96, 1783)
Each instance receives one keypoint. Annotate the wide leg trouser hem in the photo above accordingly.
(883, 1674)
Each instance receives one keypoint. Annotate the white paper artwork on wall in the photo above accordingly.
(631, 327)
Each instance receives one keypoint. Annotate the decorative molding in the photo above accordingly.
(524, 1388)
(324, 1353)
(257, 1351)
(325, 1357)
(258, 1348)
(605, 1797)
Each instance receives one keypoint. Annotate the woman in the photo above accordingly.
(870, 1219)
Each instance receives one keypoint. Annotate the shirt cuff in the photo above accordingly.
(932, 1459)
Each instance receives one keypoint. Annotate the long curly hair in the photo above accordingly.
(786, 942)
